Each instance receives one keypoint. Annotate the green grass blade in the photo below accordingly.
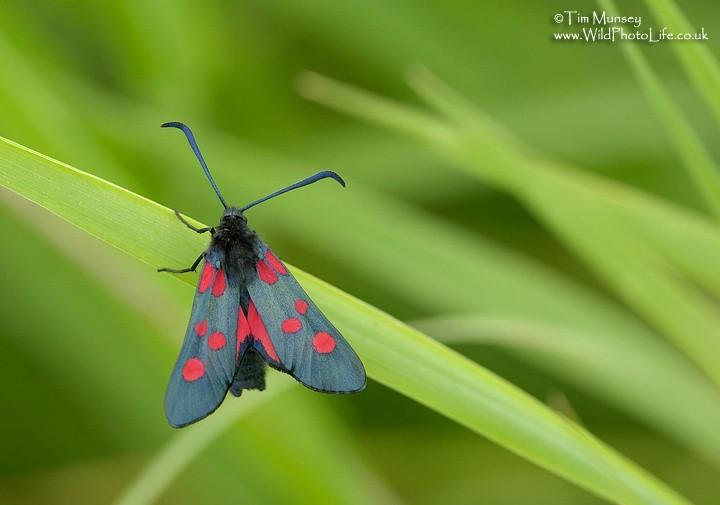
(682, 235)
(112, 408)
(394, 354)
(317, 480)
(603, 363)
(60, 127)
(589, 214)
(111, 417)
(695, 56)
(697, 159)
(519, 288)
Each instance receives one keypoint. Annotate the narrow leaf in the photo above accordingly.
(394, 354)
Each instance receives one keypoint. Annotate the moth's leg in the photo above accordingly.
(184, 270)
(193, 228)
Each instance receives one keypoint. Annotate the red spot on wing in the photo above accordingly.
(220, 283)
(217, 341)
(275, 263)
(301, 306)
(323, 342)
(201, 328)
(266, 273)
(291, 325)
(193, 369)
(259, 331)
(206, 278)
(243, 327)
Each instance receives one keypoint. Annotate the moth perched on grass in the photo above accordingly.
(250, 311)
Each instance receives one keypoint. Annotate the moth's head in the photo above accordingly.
(233, 215)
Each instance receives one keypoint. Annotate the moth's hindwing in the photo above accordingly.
(294, 336)
(207, 362)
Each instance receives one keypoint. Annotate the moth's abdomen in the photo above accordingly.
(250, 373)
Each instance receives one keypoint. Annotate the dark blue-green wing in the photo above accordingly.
(207, 362)
(294, 336)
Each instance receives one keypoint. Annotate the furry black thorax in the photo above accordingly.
(234, 236)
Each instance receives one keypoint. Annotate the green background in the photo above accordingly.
(89, 335)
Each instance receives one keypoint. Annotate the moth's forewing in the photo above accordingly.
(294, 335)
(207, 362)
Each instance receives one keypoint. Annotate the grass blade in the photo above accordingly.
(595, 217)
(395, 355)
(603, 363)
(695, 56)
(521, 289)
(697, 159)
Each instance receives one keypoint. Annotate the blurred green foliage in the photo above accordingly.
(89, 336)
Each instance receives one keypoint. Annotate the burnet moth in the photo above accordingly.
(250, 311)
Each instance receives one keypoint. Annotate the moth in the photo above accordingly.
(249, 312)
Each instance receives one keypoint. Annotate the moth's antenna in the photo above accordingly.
(191, 138)
(304, 182)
